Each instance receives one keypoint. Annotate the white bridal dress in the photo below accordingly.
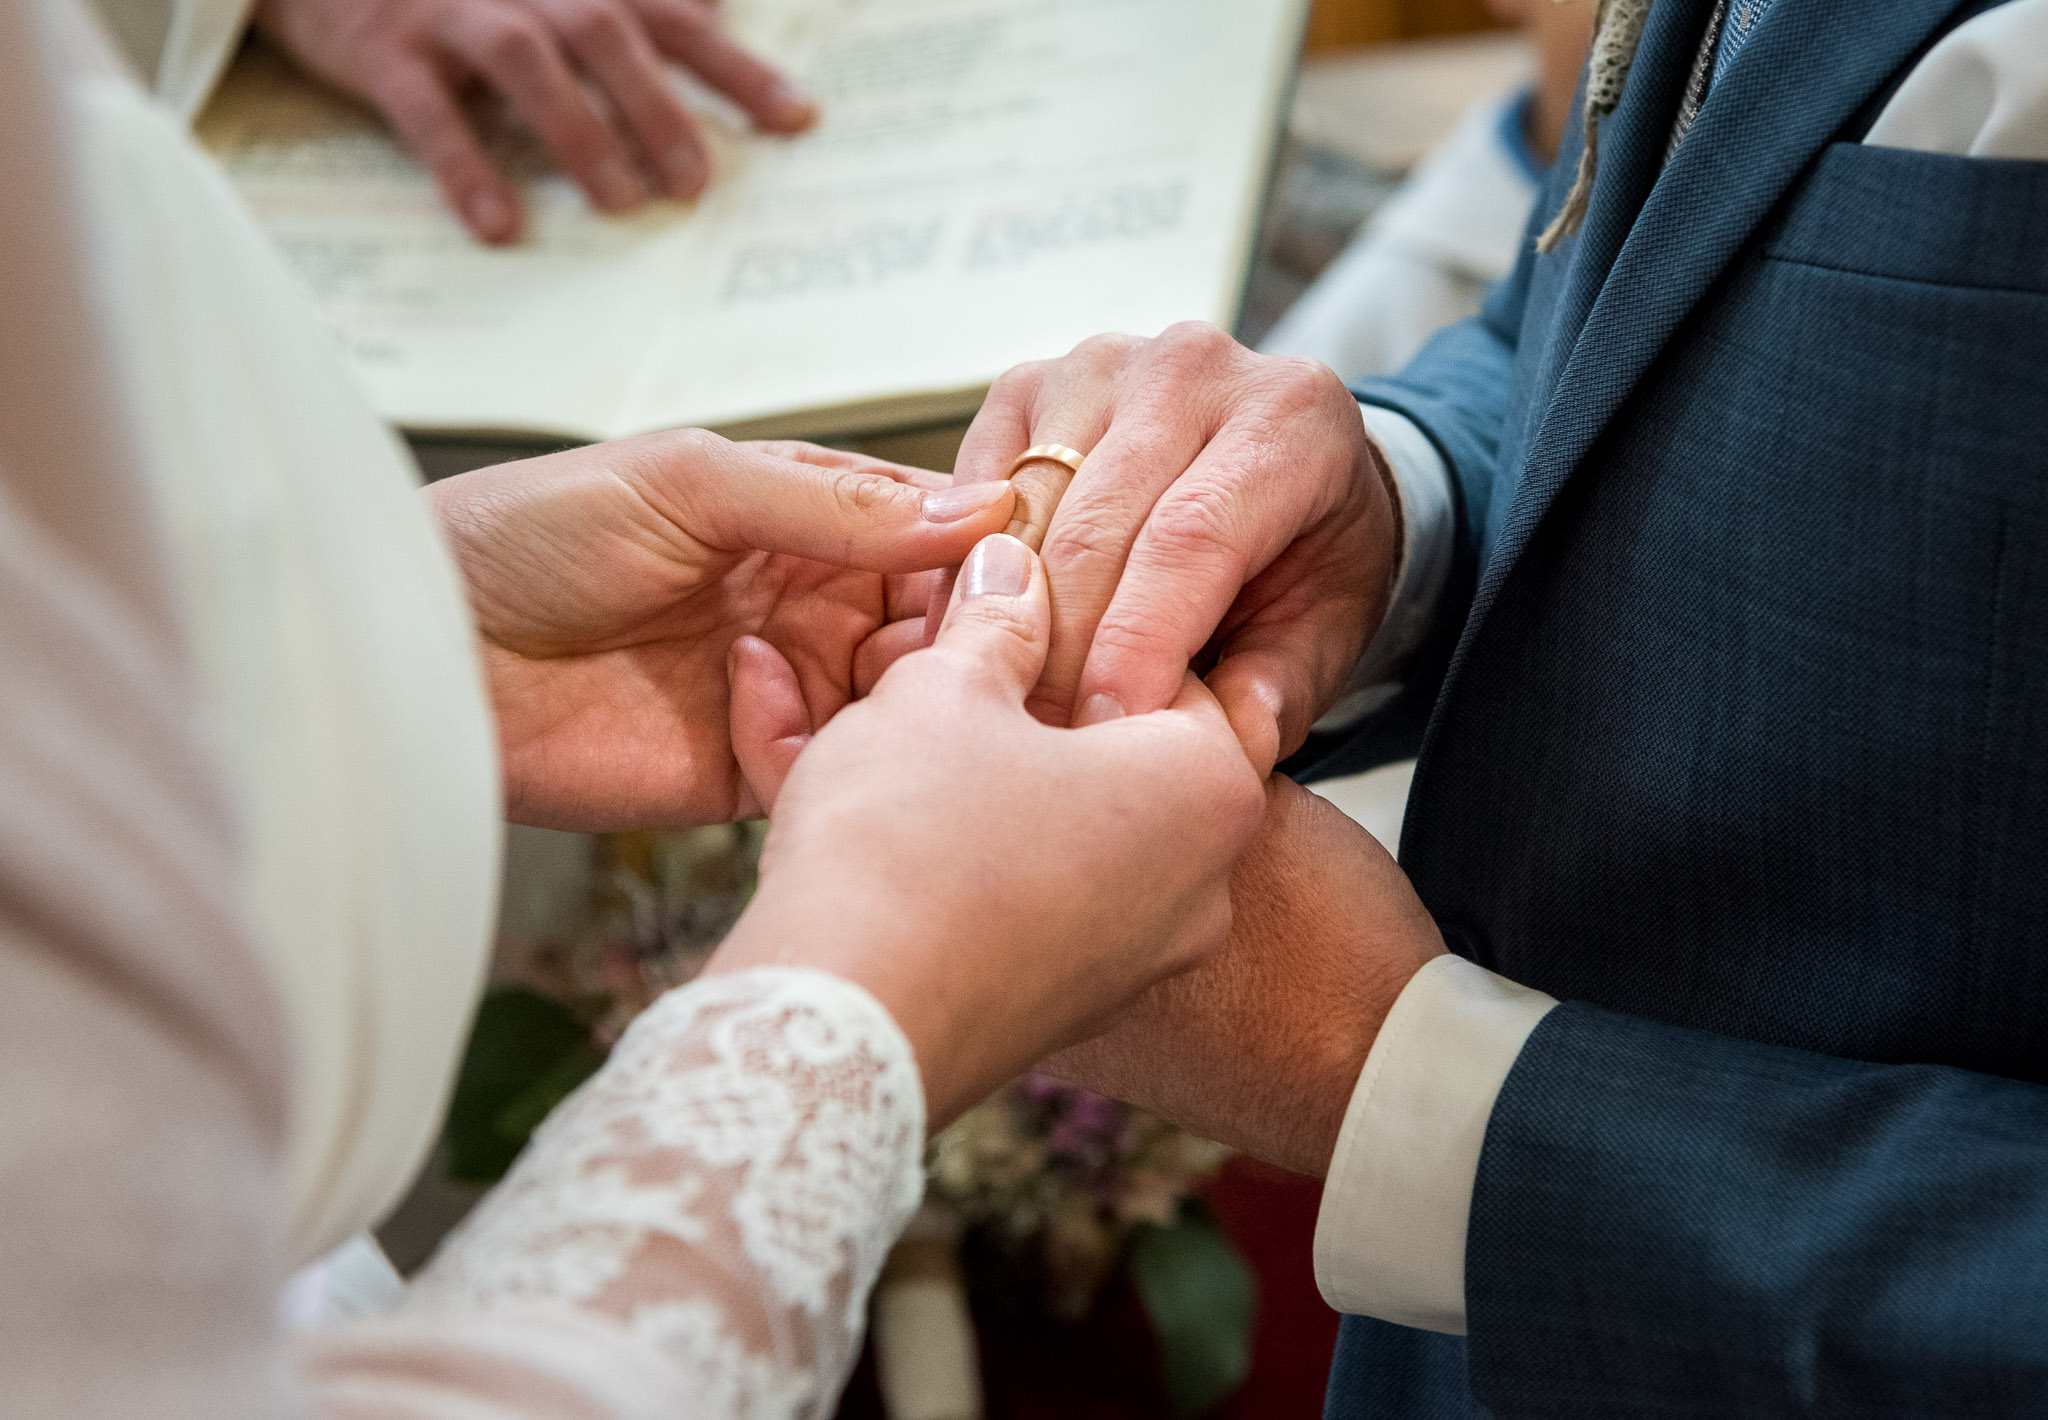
(248, 852)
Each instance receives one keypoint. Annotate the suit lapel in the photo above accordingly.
(1657, 236)
(1632, 143)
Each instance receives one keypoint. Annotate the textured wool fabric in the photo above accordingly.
(1739, 752)
(1617, 31)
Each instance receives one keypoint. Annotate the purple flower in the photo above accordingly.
(1045, 1090)
(1087, 1126)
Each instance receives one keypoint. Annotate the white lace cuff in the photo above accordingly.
(726, 1188)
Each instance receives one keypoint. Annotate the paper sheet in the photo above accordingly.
(992, 181)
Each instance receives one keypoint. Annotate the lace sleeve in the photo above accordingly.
(726, 1189)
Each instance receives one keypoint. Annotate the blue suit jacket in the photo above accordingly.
(1737, 742)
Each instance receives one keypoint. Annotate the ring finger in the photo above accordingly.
(1063, 404)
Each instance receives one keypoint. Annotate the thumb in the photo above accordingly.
(1000, 622)
(769, 722)
(1254, 690)
(1275, 676)
(742, 499)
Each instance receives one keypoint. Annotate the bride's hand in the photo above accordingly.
(1002, 887)
(609, 582)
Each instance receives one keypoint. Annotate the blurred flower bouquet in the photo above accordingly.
(1062, 1179)
(1058, 1190)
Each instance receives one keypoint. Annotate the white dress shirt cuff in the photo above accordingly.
(1390, 1239)
(1428, 527)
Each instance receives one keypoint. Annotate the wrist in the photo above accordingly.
(1305, 1139)
(843, 924)
(1391, 519)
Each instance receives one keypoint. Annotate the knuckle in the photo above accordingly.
(695, 445)
(979, 667)
(406, 101)
(1189, 357)
(1083, 540)
(1105, 351)
(1131, 638)
(594, 27)
(1019, 380)
(1197, 340)
(861, 495)
(1010, 615)
(516, 44)
(1300, 372)
(693, 21)
(1193, 524)
(1298, 386)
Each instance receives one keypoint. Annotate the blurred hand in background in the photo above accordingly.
(589, 76)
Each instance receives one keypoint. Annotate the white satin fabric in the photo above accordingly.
(332, 649)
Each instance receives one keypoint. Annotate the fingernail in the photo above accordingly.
(490, 215)
(685, 168)
(962, 500)
(617, 186)
(1099, 707)
(999, 566)
(793, 101)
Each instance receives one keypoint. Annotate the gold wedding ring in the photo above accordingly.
(1058, 453)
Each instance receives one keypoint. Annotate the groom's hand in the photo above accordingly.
(1261, 1046)
(609, 582)
(1230, 508)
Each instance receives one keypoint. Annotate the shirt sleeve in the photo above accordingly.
(1390, 1239)
(1428, 536)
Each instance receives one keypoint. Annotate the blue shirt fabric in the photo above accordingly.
(1513, 131)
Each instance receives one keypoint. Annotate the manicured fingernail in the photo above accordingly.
(617, 186)
(490, 215)
(962, 500)
(1099, 707)
(684, 165)
(999, 566)
(793, 102)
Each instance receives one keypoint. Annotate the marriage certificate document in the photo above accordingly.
(990, 181)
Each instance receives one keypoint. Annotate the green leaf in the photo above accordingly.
(1201, 1296)
(525, 1053)
(523, 1113)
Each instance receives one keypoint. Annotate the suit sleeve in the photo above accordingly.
(1671, 1222)
(1457, 391)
